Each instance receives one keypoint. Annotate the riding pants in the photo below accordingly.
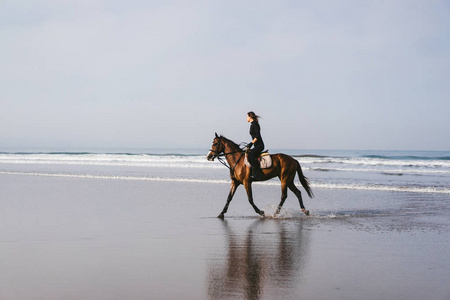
(255, 153)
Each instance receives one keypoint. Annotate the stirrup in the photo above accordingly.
(256, 174)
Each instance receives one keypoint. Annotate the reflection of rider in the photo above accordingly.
(258, 145)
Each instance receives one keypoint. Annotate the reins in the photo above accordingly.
(224, 162)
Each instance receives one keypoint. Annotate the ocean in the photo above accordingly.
(397, 171)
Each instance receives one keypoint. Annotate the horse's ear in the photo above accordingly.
(216, 135)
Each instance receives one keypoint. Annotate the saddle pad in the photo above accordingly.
(265, 161)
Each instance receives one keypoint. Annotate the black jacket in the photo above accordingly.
(255, 132)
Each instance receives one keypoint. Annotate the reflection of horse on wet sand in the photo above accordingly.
(266, 259)
(283, 166)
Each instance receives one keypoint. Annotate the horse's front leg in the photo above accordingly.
(234, 186)
(248, 188)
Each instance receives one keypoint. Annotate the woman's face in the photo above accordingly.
(249, 119)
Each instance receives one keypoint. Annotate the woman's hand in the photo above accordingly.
(249, 145)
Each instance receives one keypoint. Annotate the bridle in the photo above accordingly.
(220, 154)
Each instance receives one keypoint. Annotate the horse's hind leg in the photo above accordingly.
(297, 193)
(234, 186)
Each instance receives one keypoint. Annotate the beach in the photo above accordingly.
(75, 237)
(125, 122)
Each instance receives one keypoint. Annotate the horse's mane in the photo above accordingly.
(230, 142)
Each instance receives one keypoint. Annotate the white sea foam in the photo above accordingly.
(375, 162)
(330, 172)
(200, 162)
(141, 160)
(412, 189)
(383, 170)
(112, 177)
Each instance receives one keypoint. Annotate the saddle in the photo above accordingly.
(265, 160)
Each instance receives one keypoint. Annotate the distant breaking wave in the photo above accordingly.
(183, 160)
(383, 171)
(401, 171)
(408, 157)
(387, 165)
(109, 159)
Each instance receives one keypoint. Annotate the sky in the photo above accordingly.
(354, 75)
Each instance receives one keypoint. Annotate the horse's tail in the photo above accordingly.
(304, 181)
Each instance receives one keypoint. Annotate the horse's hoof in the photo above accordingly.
(278, 210)
(221, 216)
(262, 213)
(306, 211)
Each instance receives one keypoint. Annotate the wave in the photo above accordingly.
(49, 153)
(407, 157)
(308, 162)
(104, 159)
(385, 188)
(390, 155)
(103, 153)
(363, 162)
(116, 177)
(365, 187)
(309, 156)
(382, 171)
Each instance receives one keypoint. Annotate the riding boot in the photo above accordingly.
(256, 171)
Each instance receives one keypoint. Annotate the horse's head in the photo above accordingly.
(216, 148)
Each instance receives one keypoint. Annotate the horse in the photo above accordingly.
(283, 166)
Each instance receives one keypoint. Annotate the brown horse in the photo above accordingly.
(283, 166)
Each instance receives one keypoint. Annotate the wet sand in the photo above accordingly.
(74, 238)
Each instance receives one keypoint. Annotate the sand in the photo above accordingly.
(75, 238)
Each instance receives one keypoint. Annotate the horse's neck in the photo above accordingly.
(234, 152)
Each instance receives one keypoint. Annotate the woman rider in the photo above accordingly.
(258, 145)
